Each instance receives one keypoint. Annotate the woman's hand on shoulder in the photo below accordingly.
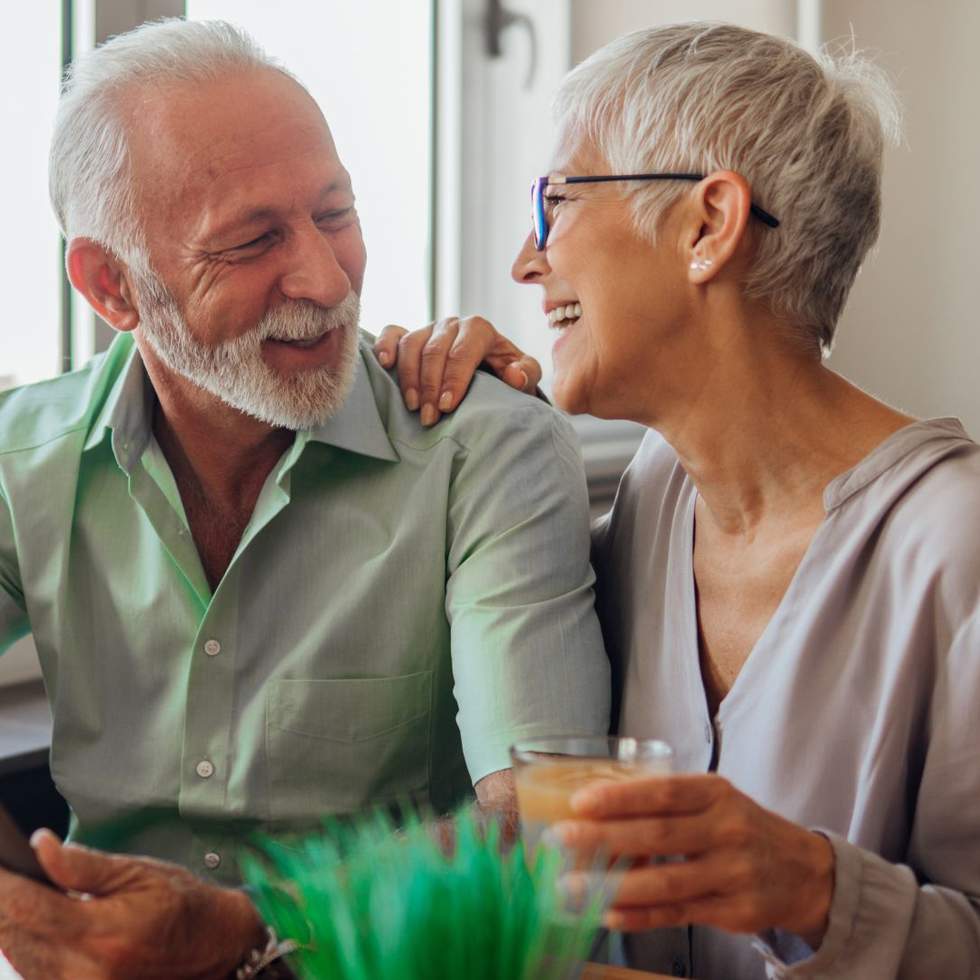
(744, 868)
(435, 364)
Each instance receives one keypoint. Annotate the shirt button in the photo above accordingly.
(678, 968)
(211, 860)
(212, 648)
(204, 769)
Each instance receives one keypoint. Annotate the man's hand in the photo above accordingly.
(436, 363)
(496, 796)
(127, 919)
(745, 868)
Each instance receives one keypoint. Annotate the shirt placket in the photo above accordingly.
(207, 753)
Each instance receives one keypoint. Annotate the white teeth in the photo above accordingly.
(565, 315)
(298, 341)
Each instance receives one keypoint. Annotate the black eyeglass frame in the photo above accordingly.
(539, 219)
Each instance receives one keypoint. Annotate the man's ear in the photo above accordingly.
(104, 281)
(717, 229)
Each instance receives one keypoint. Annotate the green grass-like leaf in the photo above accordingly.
(368, 902)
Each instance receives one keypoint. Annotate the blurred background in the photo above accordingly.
(440, 110)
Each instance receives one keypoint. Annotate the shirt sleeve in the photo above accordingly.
(527, 653)
(13, 614)
(920, 918)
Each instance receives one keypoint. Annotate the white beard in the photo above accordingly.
(235, 371)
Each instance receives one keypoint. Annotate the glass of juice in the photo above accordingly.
(548, 771)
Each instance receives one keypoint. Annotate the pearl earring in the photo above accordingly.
(699, 264)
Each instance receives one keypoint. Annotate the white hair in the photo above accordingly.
(806, 132)
(93, 191)
(91, 184)
(236, 372)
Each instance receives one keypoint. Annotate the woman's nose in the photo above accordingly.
(530, 264)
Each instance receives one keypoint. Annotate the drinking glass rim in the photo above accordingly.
(525, 750)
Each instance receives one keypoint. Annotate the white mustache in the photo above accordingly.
(305, 320)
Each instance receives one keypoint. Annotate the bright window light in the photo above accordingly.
(30, 254)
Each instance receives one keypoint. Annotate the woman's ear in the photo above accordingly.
(104, 282)
(721, 213)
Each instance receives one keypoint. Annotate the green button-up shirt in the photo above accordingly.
(403, 605)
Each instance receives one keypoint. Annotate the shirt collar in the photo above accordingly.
(907, 453)
(128, 411)
(357, 426)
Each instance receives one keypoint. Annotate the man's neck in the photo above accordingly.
(217, 453)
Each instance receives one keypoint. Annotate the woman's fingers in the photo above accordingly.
(511, 364)
(435, 364)
(409, 365)
(434, 356)
(640, 837)
(675, 882)
(386, 346)
(745, 868)
(650, 796)
(473, 345)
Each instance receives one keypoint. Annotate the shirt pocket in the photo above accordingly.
(338, 746)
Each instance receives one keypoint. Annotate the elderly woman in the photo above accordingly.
(789, 580)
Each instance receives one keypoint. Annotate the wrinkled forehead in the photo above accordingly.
(187, 139)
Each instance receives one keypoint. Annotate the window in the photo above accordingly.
(30, 251)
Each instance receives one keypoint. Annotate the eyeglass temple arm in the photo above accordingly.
(764, 216)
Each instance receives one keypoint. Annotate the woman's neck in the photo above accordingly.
(767, 428)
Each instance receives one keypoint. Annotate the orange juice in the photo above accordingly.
(545, 788)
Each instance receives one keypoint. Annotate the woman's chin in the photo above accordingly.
(569, 394)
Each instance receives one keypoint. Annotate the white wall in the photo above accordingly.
(911, 333)
(595, 22)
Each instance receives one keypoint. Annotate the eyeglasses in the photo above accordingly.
(539, 213)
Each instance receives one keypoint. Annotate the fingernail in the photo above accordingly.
(384, 357)
(429, 415)
(446, 401)
(412, 400)
(523, 380)
(37, 835)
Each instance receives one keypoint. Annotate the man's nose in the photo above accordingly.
(530, 265)
(313, 271)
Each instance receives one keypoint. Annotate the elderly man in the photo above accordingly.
(261, 592)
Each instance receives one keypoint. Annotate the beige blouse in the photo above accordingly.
(856, 712)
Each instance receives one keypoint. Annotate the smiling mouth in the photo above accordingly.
(312, 342)
(562, 317)
(302, 343)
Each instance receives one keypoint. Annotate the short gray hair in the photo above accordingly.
(806, 132)
(92, 188)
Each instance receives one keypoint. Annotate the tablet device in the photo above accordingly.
(16, 853)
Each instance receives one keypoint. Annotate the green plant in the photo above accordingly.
(367, 902)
